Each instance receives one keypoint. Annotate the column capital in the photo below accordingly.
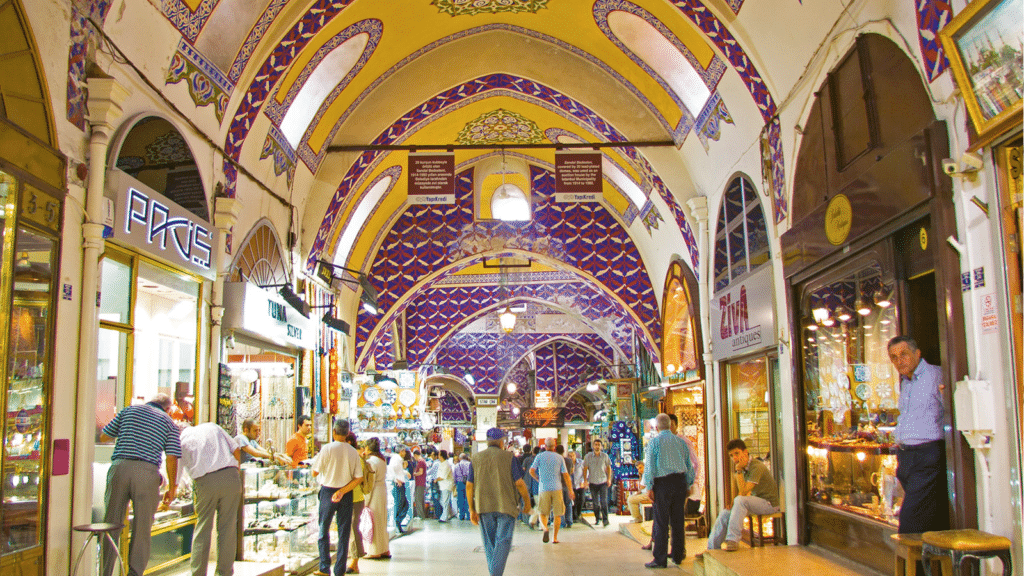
(698, 208)
(105, 98)
(226, 212)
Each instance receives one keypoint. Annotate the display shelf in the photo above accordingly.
(280, 505)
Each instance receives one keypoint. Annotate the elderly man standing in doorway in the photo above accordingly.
(667, 474)
(921, 449)
(494, 479)
(144, 433)
(211, 458)
(756, 492)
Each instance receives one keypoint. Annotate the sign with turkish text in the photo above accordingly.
(542, 398)
(578, 176)
(156, 226)
(542, 417)
(265, 315)
(743, 316)
(431, 178)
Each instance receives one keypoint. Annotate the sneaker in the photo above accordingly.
(545, 538)
(653, 564)
(730, 546)
(605, 521)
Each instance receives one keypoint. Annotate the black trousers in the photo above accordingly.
(669, 511)
(921, 471)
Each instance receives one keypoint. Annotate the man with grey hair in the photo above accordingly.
(494, 478)
(144, 434)
(340, 470)
(667, 474)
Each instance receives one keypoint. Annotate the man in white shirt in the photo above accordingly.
(398, 476)
(446, 483)
(211, 458)
(339, 469)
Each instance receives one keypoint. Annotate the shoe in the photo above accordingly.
(319, 573)
(653, 564)
(605, 521)
(351, 570)
(647, 546)
(546, 537)
(730, 546)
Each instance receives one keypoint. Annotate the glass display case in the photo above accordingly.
(851, 391)
(280, 517)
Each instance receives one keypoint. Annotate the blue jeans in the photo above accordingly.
(496, 529)
(401, 504)
(599, 495)
(729, 525)
(341, 513)
(460, 490)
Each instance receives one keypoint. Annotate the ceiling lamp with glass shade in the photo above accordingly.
(507, 320)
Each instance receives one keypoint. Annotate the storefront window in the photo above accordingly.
(25, 430)
(749, 403)
(111, 373)
(116, 290)
(851, 390)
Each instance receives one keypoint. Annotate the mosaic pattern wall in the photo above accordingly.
(454, 408)
(561, 365)
(932, 16)
(575, 411)
(490, 356)
(421, 242)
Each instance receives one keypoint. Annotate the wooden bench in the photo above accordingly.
(908, 553)
(758, 538)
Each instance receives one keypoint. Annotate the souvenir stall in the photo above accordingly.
(391, 407)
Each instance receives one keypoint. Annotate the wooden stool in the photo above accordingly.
(908, 553)
(758, 538)
(99, 530)
(952, 547)
(698, 523)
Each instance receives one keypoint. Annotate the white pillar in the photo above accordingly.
(105, 99)
(225, 216)
(486, 418)
(712, 397)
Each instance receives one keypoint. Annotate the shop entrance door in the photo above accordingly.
(754, 417)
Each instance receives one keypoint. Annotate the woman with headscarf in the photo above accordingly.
(377, 502)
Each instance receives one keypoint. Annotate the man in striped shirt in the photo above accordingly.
(143, 434)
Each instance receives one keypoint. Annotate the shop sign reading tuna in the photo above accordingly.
(745, 316)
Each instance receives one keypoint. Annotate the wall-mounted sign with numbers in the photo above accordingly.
(40, 208)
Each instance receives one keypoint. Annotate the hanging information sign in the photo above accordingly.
(431, 178)
(578, 176)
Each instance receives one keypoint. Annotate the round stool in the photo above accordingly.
(99, 530)
(954, 546)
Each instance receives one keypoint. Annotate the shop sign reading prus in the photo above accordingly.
(431, 178)
(578, 176)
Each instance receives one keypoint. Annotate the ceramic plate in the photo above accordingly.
(406, 380)
(387, 409)
(371, 395)
(390, 396)
(863, 391)
(861, 372)
(407, 397)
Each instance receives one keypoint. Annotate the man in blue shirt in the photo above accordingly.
(144, 433)
(667, 474)
(549, 470)
(921, 451)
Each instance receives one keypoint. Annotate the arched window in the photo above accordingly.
(741, 238)
(260, 260)
(681, 337)
(509, 203)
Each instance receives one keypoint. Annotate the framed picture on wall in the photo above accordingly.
(983, 44)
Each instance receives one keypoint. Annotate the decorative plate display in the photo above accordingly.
(371, 395)
(407, 397)
(884, 390)
(390, 396)
(406, 379)
(861, 373)
(387, 410)
(863, 391)
(364, 423)
(843, 381)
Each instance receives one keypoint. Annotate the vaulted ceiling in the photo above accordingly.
(309, 95)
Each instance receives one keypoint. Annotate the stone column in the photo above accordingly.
(225, 216)
(105, 99)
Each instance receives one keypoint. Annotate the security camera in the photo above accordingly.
(949, 166)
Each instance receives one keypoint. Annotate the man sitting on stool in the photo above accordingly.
(756, 492)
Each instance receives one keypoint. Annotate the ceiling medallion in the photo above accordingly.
(474, 7)
(501, 127)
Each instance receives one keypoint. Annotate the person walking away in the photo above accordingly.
(667, 474)
(597, 472)
(757, 494)
(420, 478)
(445, 483)
(549, 470)
(530, 484)
(494, 479)
(577, 484)
(567, 499)
(144, 433)
(397, 476)
(461, 475)
(297, 448)
(433, 459)
(339, 470)
(211, 458)
(377, 501)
